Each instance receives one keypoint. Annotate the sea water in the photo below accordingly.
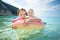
(51, 29)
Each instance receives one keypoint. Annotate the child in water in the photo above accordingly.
(33, 19)
(31, 14)
(21, 17)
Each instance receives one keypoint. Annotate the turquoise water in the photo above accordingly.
(51, 29)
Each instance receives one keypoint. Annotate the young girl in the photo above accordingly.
(21, 18)
(31, 14)
(33, 19)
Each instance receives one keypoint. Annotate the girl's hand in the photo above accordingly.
(14, 27)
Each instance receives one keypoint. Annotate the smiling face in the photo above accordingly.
(30, 12)
(22, 13)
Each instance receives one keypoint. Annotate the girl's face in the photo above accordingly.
(22, 14)
(30, 13)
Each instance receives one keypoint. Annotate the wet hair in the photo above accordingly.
(31, 9)
(20, 10)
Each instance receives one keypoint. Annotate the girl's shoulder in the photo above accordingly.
(14, 20)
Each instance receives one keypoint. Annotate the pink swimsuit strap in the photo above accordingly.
(15, 20)
(18, 19)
